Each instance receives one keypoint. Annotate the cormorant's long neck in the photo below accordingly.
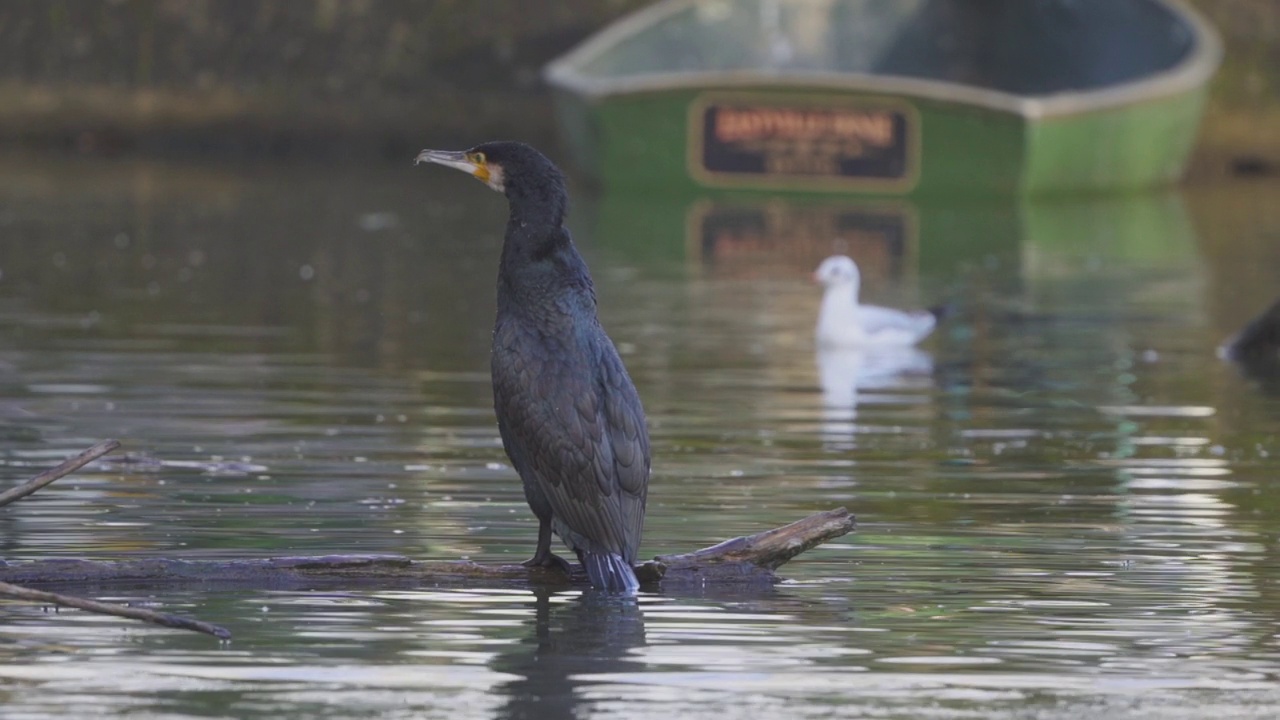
(535, 229)
(541, 205)
(539, 262)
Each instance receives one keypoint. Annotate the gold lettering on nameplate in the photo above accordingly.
(757, 124)
(855, 143)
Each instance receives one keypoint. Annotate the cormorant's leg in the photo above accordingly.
(543, 557)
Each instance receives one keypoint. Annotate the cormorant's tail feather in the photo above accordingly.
(610, 572)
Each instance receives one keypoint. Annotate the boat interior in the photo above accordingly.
(1021, 47)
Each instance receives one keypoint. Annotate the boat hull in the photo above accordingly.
(909, 98)
(654, 141)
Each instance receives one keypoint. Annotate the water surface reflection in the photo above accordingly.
(1065, 500)
(592, 634)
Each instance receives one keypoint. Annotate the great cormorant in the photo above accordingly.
(569, 415)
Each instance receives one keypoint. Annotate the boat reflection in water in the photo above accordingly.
(749, 258)
(752, 258)
(745, 235)
(730, 238)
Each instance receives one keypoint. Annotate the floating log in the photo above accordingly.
(750, 559)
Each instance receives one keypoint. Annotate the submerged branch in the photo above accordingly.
(124, 611)
(66, 468)
(745, 559)
(22, 593)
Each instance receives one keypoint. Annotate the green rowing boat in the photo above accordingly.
(888, 97)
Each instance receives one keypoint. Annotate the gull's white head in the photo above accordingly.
(837, 270)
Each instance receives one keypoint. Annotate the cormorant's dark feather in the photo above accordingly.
(572, 422)
(569, 416)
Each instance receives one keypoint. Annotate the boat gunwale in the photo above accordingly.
(1191, 72)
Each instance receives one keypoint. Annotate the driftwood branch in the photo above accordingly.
(752, 559)
(746, 559)
(766, 551)
(124, 611)
(66, 468)
(22, 593)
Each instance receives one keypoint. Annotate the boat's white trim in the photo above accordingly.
(1191, 72)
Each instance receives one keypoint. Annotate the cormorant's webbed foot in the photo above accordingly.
(543, 557)
(548, 559)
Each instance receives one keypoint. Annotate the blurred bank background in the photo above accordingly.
(345, 79)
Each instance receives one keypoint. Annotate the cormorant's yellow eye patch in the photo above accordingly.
(481, 167)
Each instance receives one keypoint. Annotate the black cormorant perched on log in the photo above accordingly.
(569, 416)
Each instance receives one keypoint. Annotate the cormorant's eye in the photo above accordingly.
(477, 158)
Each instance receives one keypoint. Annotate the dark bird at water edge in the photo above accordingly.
(1256, 347)
(569, 415)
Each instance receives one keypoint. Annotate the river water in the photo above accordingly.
(1067, 504)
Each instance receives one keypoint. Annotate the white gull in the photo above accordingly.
(843, 322)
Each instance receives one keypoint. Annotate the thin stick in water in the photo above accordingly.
(66, 468)
(124, 611)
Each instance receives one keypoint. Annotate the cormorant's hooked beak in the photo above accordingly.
(472, 163)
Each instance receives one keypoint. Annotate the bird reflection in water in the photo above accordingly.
(849, 376)
(568, 643)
